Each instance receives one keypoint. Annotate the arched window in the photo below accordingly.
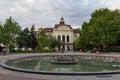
(59, 37)
(68, 38)
(63, 38)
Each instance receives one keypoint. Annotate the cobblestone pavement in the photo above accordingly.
(13, 75)
(10, 77)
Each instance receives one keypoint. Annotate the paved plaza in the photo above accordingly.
(13, 75)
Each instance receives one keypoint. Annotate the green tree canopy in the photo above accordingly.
(42, 39)
(9, 32)
(23, 38)
(53, 43)
(103, 28)
(33, 41)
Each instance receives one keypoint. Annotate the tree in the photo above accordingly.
(102, 29)
(10, 32)
(23, 38)
(42, 39)
(1, 32)
(33, 42)
(77, 44)
(53, 43)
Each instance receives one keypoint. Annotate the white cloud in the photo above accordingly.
(48, 12)
(113, 4)
(30, 1)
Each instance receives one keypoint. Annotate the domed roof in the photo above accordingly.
(62, 22)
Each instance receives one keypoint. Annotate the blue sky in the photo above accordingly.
(47, 13)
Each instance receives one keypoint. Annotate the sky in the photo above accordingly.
(47, 13)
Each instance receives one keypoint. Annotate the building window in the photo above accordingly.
(68, 38)
(59, 37)
(63, 38)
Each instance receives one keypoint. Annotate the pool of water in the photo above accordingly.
(83, 65)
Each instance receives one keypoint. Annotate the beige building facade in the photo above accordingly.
(65, 33)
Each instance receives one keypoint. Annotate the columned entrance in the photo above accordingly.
(67, 47)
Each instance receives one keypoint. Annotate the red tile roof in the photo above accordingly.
(48, 29)
(76, 30)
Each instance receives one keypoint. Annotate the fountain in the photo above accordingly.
(62, 59)
(63, 64)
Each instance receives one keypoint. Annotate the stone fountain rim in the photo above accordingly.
(5, 66)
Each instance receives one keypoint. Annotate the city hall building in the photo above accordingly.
(65, 33)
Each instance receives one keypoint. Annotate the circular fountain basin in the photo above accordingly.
(42, 65)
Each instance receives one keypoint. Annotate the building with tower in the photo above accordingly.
(65, 33)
